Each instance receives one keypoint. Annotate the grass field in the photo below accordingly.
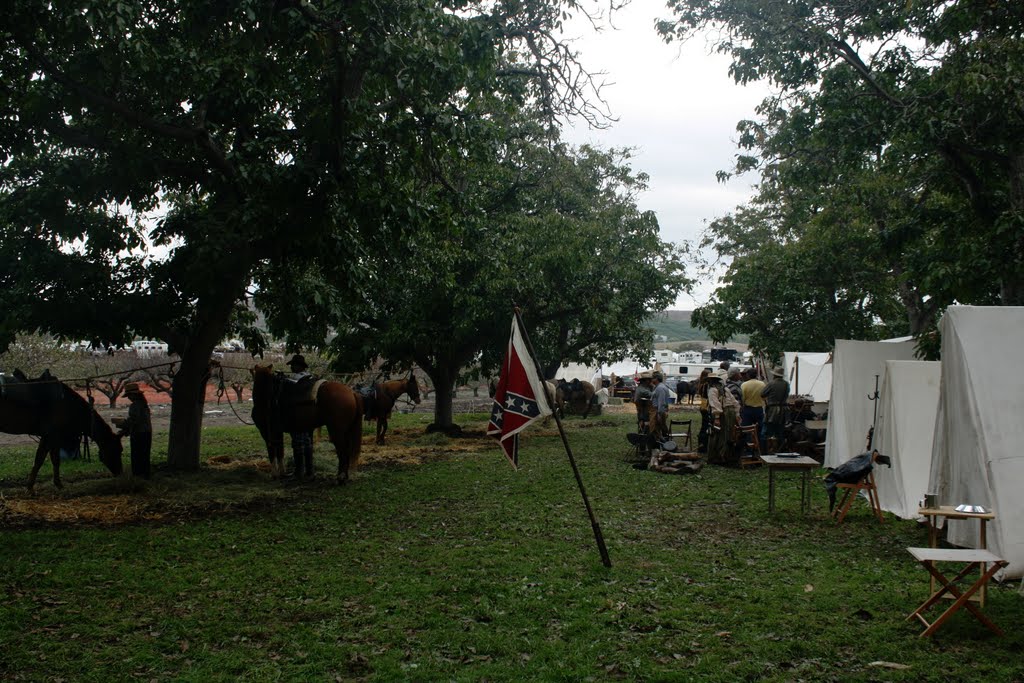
(439, 562)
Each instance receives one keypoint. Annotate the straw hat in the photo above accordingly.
(298, 362)
(132, 389)
(778, 372)
(646, 374)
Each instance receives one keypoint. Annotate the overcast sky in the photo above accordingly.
(677, 105)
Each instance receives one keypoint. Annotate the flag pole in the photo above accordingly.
(598, 536)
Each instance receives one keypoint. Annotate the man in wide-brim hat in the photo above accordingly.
(723, 409)
(298, 363)
(139, 428)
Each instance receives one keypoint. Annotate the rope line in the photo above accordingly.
(222, 391)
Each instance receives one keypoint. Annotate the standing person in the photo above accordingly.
(659, 405)
(733, 385)
(302, 442)
(139, 428)
(752, 411)
(642, 400)
(705, 416)
(722, 406)
(775, 396)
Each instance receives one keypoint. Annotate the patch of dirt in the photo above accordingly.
(226, 484)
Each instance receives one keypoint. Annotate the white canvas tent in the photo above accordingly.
(909, 400)
(809, 374)
(571, 371)
(854, 367)
(977, 457)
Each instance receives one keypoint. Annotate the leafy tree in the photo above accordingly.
(243, 138)
(555, 230)
(892, 121)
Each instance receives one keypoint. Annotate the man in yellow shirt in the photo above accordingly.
(752, 411)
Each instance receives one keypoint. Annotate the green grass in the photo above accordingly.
(461, 569)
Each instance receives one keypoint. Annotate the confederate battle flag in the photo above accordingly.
(520, 397)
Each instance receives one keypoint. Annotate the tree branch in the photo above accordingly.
(199, 136)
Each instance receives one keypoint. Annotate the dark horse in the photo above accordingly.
(54, 412)
(384, 396)
(332, 404)
(687, 389)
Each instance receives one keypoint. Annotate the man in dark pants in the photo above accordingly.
(302, 442)
(139, 428)
(775, 396)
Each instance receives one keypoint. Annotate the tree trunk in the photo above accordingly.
(188, 399)
(443, 412)
(920, 313)
(188, 388)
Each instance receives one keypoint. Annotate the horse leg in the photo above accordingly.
(40, 457)
(275, 451)
(348, 453)
(382, 427)
(55, 461)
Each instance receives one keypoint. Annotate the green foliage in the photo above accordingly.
(553, 229)
(462, 569)
(244, 138)
(890, 164)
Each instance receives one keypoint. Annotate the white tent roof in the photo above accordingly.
(977, 457)
(809, 373)
(850, 412)
(627, 368)
(906, 422)
(571, 371)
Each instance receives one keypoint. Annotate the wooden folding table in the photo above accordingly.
(950, 512)
(985, 561)
(802, 464)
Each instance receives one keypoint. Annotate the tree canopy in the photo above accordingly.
(554, 229)
(890, 161)
(242, 139)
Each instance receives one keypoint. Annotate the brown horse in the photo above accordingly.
(334, 405)
(384, 396)
(53, 411)
(576, 396)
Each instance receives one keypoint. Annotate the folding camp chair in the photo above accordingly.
(641, 441)
(852, 491)
(679, 435)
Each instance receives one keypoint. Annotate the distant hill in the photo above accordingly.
(675, 325)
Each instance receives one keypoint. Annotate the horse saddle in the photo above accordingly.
(298, 392)
(37, 394)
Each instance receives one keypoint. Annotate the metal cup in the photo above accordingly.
(931, 500)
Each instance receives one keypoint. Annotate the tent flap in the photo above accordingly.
(976, 458)
(855, 365)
